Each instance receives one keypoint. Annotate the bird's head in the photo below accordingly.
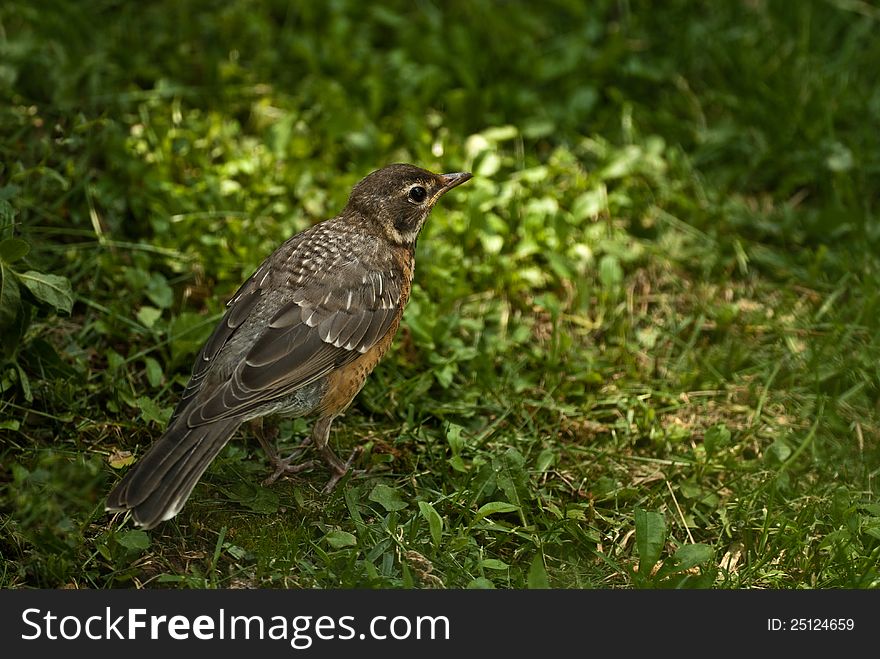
(397, 199)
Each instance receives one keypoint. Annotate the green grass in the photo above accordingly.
(642, 349)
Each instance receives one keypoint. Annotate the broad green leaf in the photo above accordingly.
(115, 361)
(537, 128)
(840, 159)
(494, 507)
(24, 382)
(387, 497)
(610, 272)
(500, 133)
(546, 458)
(589, 204)
(7, 192)
(51, 289)
(10, 298)
(265, 501)
(339, 539)
(494, 564)
(435, 522)
(475, 145)
(688, 556)
(537, 174)
(7, 212)
(134, 539)
(454, 437)
(481, 583)
(489, 165)
(538, 574)
(13, 249)
(151, 411)
(147, 316)
(650, 538)
(457, 463)
(159, 292)
(778, 452)
(262, 500)
(623, 163)
(154, 371)
(492, 243)
(716, 437)
(238, 553)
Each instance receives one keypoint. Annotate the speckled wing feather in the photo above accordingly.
(313, 306)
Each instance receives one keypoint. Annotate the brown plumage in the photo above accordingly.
(299, 338)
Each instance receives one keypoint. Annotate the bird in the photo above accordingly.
(298, 338)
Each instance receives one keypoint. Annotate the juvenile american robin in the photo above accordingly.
(298, 338)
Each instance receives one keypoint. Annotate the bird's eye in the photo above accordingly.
(417, 194)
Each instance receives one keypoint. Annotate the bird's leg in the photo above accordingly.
(266, 439)
(338, 468)
(282, 465)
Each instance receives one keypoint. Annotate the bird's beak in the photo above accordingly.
(452, 180)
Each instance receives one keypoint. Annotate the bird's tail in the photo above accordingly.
(158, 486)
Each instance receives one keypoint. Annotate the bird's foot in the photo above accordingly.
(340, 469)
(288, 465)
(283, 467)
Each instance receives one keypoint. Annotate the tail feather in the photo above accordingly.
(160, 483)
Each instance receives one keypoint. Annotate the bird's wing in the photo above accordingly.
(271, 344)
(238, 311)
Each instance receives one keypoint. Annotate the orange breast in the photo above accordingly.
(344, 383)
